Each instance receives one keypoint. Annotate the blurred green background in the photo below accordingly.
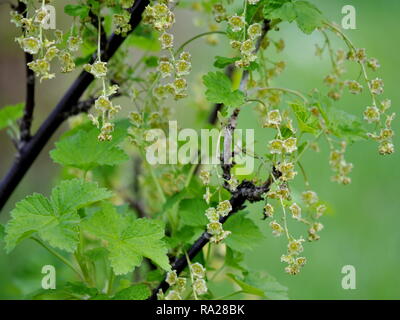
(362, 230)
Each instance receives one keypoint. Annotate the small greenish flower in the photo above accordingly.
(98, 69)
(165, 68)
(287, 259)
(214, 228)
(67, 63)
(220, 237)
(171, 277)
(160, 92)
(372, 114)
(276, 146)
(200, 286)
(373, 64)
(292, 269)
(180, 284)
(30, 44)
(103, 103)
(254, 31)
(41, 15)
(269, 210)
(247, 47)
(376, 86)
(287, 170)
(385, 105)
(212, 215)
(236, 23)
(301, 261)
(309, 197)
(185, 56)
(277, 229)
(224, 208)
(330, 80)
(295, 210)
(354, 87)
(273, 119)
(235, 44)
(42, 68)
(136, 118)
(386, 147)
(51, 53)
(180, 84)
(360, 55)
(182, 67)
(167, 40)
(295, 246)
(16, 18)
(74, 43)
(290, 145)
(198, 270)
(121, 22)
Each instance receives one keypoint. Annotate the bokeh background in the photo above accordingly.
(363, 228)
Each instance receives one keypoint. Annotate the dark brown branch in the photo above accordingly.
(29, 152)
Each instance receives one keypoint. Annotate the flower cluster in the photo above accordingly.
(121, 23)
(35, 42)
(198, 273)
(244, 39)
(105, 110)
(214, 227)
(292, 258)
(161, 18)
(177, 284)
(340, 166)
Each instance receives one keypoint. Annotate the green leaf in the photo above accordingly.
(54, 220)
(307, 15)
(260, 284)
(286, 12)
(219, 90)
(306, 120)
(10, 114)
(222, 62)
(246, 288)
(234, 259)
(80, 289)
(136, 292)
(245, 233)
(272, 6)
(192, 212)
(128, 240)
(82, 150)
(345, 125)
(272, 289)
(76, 10)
